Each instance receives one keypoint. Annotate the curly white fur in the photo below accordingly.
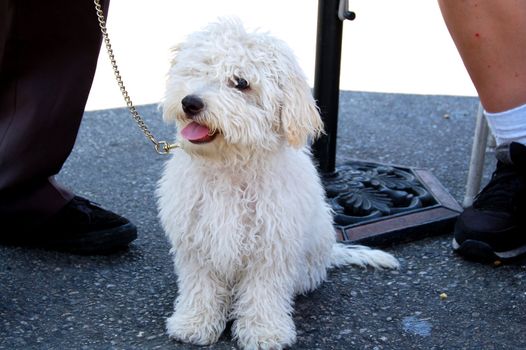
(245, 211)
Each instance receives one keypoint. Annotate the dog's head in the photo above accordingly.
(230, 88)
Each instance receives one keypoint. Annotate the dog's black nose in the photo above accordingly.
(192, 105)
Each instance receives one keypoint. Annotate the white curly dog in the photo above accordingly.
(241, 202)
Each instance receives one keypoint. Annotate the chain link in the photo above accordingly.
(161, 147)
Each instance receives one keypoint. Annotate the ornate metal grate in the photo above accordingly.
(377, 203)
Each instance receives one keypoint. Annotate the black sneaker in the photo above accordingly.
(81, 227)
(494, 227)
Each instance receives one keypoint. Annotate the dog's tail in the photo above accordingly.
(360, 255)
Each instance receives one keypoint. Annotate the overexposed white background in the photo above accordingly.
(398, 46)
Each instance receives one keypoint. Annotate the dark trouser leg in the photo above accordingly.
(48, 55)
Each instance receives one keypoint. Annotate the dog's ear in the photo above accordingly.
(300, 117)
(174, 50)
(168, 105)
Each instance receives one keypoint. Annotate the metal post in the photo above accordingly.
(327, 81)
(476, 163)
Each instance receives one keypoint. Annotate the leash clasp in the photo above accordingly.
(163, 147)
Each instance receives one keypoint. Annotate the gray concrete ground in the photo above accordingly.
(51, 300)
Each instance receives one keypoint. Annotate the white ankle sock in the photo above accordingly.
(508, 126)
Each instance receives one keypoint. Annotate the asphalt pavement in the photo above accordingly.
(52, 300)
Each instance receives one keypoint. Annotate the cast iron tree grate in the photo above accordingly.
(385, 200)
(361, 192)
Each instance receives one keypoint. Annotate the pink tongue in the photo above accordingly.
(195, 132)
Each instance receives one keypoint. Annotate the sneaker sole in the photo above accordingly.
(483, 252)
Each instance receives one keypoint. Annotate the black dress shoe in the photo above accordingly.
(81, 227)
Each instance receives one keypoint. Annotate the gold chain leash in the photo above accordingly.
(161, 147)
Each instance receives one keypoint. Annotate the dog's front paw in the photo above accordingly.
(192, 329)
(261, 336)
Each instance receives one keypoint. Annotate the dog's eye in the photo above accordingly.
(241, 84)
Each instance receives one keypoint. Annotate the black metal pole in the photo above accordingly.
(327, 81)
